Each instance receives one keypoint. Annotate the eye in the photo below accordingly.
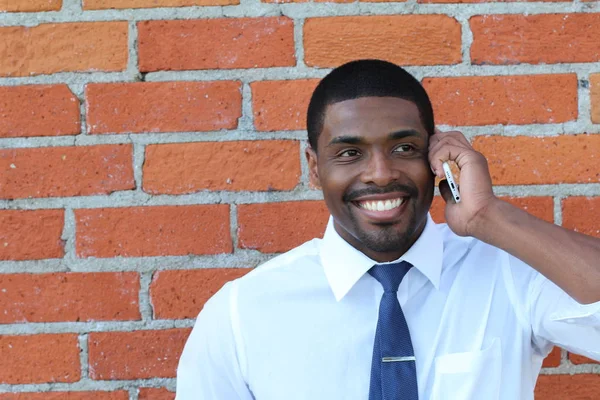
(349, 153)
(404, 148)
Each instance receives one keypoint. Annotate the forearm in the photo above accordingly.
(569, 259)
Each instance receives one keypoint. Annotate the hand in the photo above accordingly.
(476, 195)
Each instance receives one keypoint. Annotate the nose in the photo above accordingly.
(380, 170)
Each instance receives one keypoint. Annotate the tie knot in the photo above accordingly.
(390, 275)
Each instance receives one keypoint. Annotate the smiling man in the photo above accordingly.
(389, 305)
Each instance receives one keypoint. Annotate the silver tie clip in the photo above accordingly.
(396, 359)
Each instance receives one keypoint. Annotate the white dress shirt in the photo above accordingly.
(302, 326)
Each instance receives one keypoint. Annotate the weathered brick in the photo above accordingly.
(135, 355)
(155, 394)
(582, 214)
(118, 4)
(162, 106)
(153, 231)
(97, 395)
(541, 207)
(73, 46)
(56, 297)
(535, 39)
(281, 105)
(65, 171)
(553, 359)
(219, 43)
(278, 227)
(30, 5)
(482, 1)
(38, 110)
(180, 294)
(595, 97)
(572, 387)
(402, 39)
(486, 100)
(262, 165)
(17, 242)
(523, 160)
(579, 359)
(44, 358)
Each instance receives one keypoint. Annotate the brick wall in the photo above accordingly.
(151, 150)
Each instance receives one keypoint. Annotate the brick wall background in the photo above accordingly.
(151, 150)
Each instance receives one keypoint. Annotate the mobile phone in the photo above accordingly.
(451, 182)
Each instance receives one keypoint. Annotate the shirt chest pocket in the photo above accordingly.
(469, 376)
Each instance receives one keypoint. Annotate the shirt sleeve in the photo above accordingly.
(209, 368)
(555, 317)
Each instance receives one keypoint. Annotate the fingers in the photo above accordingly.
(447, 146)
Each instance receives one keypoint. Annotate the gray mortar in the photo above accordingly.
(146, 307)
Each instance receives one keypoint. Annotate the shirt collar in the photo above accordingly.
(344, 265)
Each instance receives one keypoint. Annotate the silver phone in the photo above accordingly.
(451, 182)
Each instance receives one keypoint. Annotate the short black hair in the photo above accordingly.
(365, 78)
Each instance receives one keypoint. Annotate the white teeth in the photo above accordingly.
(383, 205)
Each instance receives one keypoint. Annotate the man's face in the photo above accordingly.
(372, 167)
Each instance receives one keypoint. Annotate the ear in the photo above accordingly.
(313, 168)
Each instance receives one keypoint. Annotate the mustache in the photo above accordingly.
(395, 187)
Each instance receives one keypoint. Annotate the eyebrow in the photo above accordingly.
(346, 139)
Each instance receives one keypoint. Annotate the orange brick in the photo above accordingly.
(572, 387)
(281, 105)
(153, 231)
(219, 43)
(44, 358)
(155, 394)
(65, 171)
(486, 100)
(541, 207)
(74, 46)
(535, 39)
(105, 4)
(117, 395)
(278, 227)
(526, 160)
(30, 6)
(553, 359)
(262, 165)
(181, 294)
(73, 297)
(483, 1)
(582, 214)
(578, 359)
(595, 95)
(163, 106)
(402, 39)
(17, 242)
(135, 355)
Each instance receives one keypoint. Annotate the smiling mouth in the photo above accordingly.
(381, 205)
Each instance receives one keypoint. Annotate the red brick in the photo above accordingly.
(486, 100)
(55, 297)
(180, 294)
(541, 207)
(43, 358)
(595, 95)
(66, 47)
(219, 43)
(38, 110)
(262, 165)
(402, 39)
(30, 5)
(281, 105)
(278, 227)
(117, 395)
(163, 106)
(526, 160)
(17, 242)
(106, 4)
(535, 39)
(156, 394)
(483, 1)
(572, 387)
(553, 359)
(135, 355)
(65, 171)
(153, 231)
(579, 359)
(582, 214)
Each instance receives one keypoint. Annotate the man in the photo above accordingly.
(389, 305)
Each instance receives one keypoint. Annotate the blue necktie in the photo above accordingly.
(393, 370)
